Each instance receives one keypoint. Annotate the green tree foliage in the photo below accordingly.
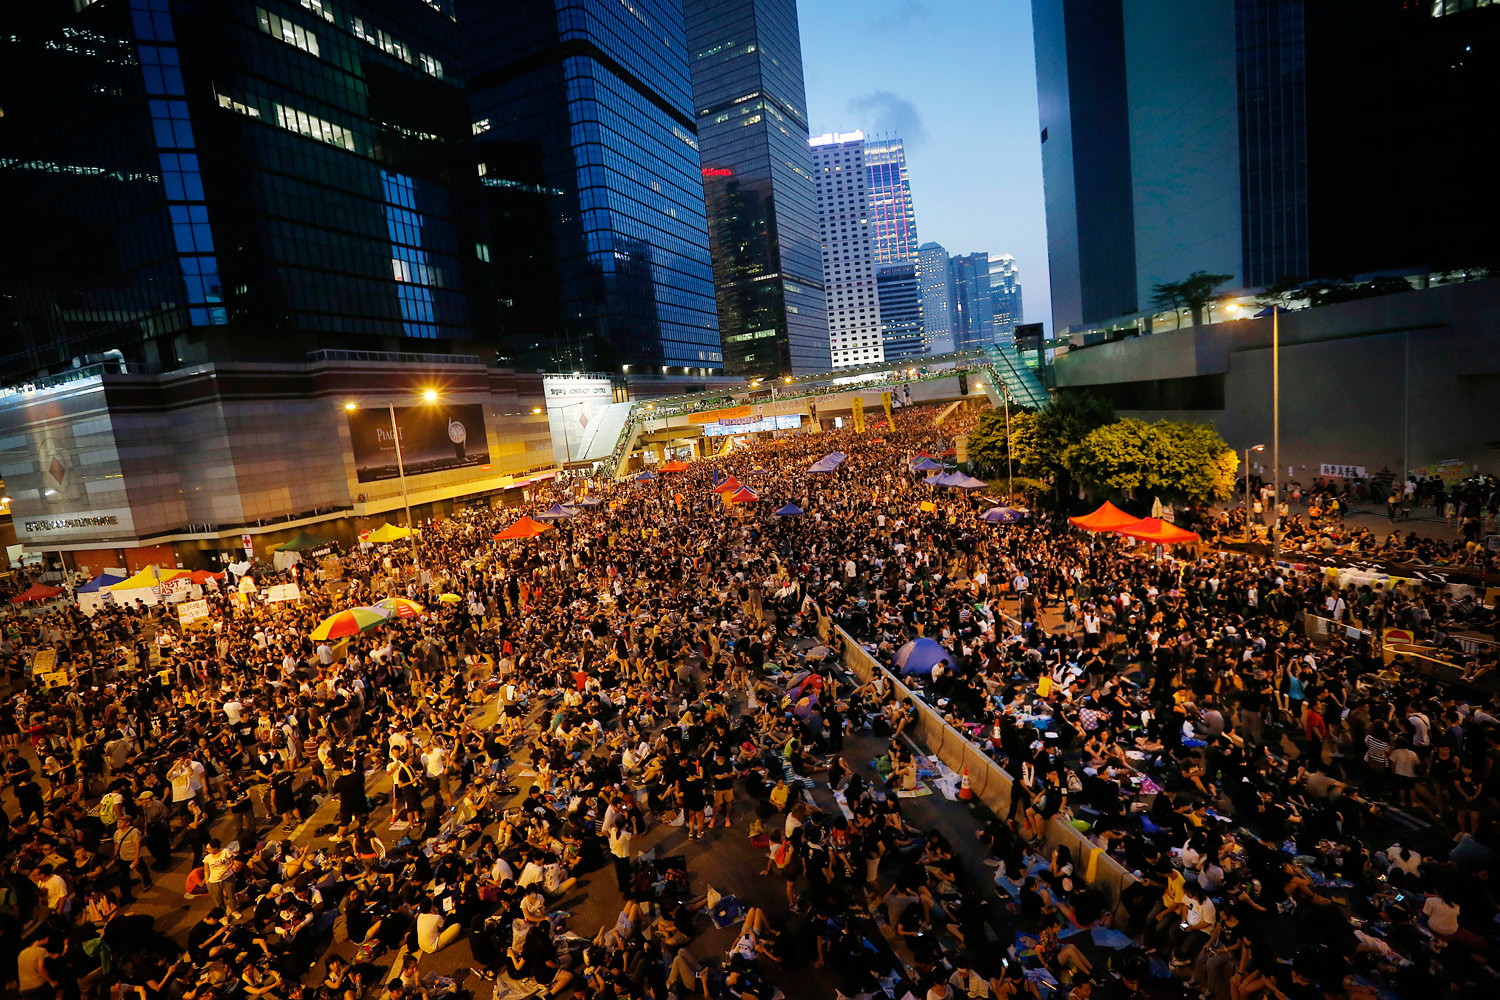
(988, 447)
(1178, 461)
(1195, 293)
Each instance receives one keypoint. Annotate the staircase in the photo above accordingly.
(1008, 376)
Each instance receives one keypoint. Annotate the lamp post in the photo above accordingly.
(428, 396)
(1010, 464)
(1276, 427)
(1259, 447)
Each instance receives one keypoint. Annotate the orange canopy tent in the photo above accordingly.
(1106, 518)
(1159, 532)
(729, 486)
(674, 466)
(524, 528)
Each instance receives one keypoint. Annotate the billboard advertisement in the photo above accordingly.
(433, 439)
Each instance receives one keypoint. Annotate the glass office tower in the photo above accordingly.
(582, 113)
(1005, 295)
(189, 180)
(973, 313)
(751, 107)
(892, 213)
(900, 296)
(935, 282)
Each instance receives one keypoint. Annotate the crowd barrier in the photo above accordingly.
(990, 783)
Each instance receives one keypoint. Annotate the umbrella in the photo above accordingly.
(387, 533)
(743, 495)
(400, 607)
(920, 655)
(729, 485)
(524, 528)
(350, 622)
(1107, 518)
(556, 512)
(675, 466)
(302, 540)
(36, 592)
(449, 598)
(1156, 530)
(1002, 515)
(790, 510)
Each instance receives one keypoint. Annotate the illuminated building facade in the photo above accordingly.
(842, 183)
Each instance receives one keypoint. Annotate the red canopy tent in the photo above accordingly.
(674, 466)
(743, 495)
(1160, 532)
(729, 486)
(1106, 518)
(36, 592)
(524, 528)
(202, 576)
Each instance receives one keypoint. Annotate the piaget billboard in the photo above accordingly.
(433, 439)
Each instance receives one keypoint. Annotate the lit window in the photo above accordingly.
(357, 25)
(314, 128)
(318, 7)
(391, 47)
(482, 251)
(481, 126)
(293, 34)
(429, 65)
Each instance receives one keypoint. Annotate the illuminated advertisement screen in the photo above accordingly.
(433, 439)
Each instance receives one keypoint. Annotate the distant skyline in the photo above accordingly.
(957, 81)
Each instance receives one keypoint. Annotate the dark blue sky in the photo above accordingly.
(957, 80)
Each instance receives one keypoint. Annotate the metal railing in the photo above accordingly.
(394, 357)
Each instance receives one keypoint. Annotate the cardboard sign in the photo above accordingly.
(44, 661)
(189, 612)
(928, 506)
(283, 592)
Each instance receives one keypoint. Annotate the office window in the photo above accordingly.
(429, 65)
(313, 127)
(391, 46)
(293, 34)
(319, 8)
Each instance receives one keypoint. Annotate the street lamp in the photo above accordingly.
(1259, 447)
(427, 396)
(1275, 425)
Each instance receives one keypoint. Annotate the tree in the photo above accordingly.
(989, 448)
(1180, 461)
(1167, 295)
(1197, 293)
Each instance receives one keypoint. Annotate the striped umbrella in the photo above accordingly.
(399, 606)
(350, 622)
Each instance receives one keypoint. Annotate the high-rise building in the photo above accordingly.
(935, 281)
(900, 298)
(583, 110)
(973, 313)
(1005, 294)
(751, 109)
(892, 213)
(843, 193)
(1230, 136)
(246, 179)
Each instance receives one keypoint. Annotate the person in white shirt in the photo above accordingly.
(233, 710)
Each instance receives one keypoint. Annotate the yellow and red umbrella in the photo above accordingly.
(399, 606)
(350, 622)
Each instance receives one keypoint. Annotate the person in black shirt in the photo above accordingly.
(354, 805)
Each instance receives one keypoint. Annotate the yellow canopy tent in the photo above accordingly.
(148, 577)
(388, 533)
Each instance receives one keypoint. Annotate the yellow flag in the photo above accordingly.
(859, 414)
(885, 401)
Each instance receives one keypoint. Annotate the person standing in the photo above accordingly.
(128, 857)
(218, 875)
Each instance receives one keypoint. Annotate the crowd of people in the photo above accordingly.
(1301, 820)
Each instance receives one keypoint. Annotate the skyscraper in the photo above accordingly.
(892, 213)
(973, 313)
(935, 281)
(189, 182)
(843, 192)
(1005, 294)
(900, 299)
(751, 110)
(586, 108)
(1233, 137)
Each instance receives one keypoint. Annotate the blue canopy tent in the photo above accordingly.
(823, 465)
(647, 475)
(790, 510)
(1003, 515)
(920, 655)
(557, 512)
(587, 502)
(962, 481)
(101, 582)
(927, 465)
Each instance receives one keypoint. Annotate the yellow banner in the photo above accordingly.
(859, 414)
(885, 401)
(928, 506)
